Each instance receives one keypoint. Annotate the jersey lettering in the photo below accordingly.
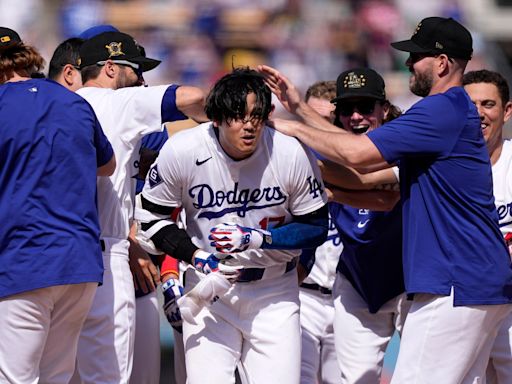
(315, 187)
(244, 200)
(504, 210)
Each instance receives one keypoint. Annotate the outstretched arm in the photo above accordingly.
(190, 101)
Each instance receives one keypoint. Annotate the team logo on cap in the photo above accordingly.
(352, 80)
(5, 39)
(439, 45)
(418, 27)
(114, 49)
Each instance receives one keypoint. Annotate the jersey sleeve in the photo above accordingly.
(104, 150)
(430, 127)
(164, 180)
(307, 191)
(170, 111)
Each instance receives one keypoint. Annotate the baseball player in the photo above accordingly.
(111, 65)
(318, 358)
(490, 93)
(369, 299)
(50, 255)
(256, 195)
(446, 192)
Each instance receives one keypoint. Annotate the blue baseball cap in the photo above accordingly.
(96, 30)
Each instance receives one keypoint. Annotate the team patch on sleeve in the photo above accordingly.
(315, 187)
(154, 177)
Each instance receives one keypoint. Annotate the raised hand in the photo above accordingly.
(282, 87)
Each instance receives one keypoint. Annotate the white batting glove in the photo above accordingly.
(233, 238)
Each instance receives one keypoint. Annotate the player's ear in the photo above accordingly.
(507, 111)
(272, 109)
(110, 68)
(68, 74)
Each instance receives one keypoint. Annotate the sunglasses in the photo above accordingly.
(364, 107)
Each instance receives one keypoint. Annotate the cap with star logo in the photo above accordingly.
(438, 35)
(359, 82)
(116, 46)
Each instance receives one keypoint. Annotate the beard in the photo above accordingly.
(421, 84)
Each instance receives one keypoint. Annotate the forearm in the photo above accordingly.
(375, 200)
(348, 178)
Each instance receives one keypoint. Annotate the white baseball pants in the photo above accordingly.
(446, 344)
(39, 332)
(499, 369)
(256, 324)
(318, 361)
(146, 356)
(105, 347)
(362, 337)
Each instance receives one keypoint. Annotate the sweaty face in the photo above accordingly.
(421, 80)
(361, 115)
(323, 107)
(493, 114)
(239, 138)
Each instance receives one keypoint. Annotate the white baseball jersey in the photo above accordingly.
(326, 259)
(124, 128)
(262, 191)
(502, 184)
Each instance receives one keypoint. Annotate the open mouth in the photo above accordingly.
(359, 129)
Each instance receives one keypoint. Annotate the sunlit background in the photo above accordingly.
(307, 40)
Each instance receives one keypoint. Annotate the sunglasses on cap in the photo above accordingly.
(364, 107)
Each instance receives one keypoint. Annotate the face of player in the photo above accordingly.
(323, 107)
(362, 115)
(493, 114)
(422, 78)
(126, 77)
(239, 138)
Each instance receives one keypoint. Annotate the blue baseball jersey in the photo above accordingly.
(372, 252)
(450, 224)
(50, 147)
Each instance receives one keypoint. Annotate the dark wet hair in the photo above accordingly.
(67, 52)
(491, 77)
(227, 99)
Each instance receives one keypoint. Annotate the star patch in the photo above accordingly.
(114, 49)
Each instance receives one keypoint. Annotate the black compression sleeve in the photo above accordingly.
(175, 242)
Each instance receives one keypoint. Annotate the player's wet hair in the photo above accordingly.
(485, 76)
(228, 98)
(68, 52)
(21, 59)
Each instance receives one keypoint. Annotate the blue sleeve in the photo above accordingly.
(430, 127)
(305, 231)
(170, 111)
(155, 140)
(104, 150)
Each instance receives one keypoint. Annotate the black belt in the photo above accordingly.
(252, 274)
(316, 287)
(102, 242)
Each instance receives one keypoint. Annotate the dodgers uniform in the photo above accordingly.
(499, 369)
(368, 293)
(50, 255)
(257, 321)
(105, 350)
(318, 361)
(455, 260)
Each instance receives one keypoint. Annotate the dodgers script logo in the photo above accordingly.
(239, 201)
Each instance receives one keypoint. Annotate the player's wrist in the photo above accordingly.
(260, 239)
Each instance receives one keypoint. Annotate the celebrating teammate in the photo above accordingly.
(111, 65)
(52, 147)
(369, 299)
(257, 195)
(318, 361)
(446, 189)
(490, 93)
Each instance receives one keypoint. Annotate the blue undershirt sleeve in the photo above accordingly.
(305, 231)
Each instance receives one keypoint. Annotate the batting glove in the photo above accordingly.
(233, 238)
(207, 263)
(173, 290)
